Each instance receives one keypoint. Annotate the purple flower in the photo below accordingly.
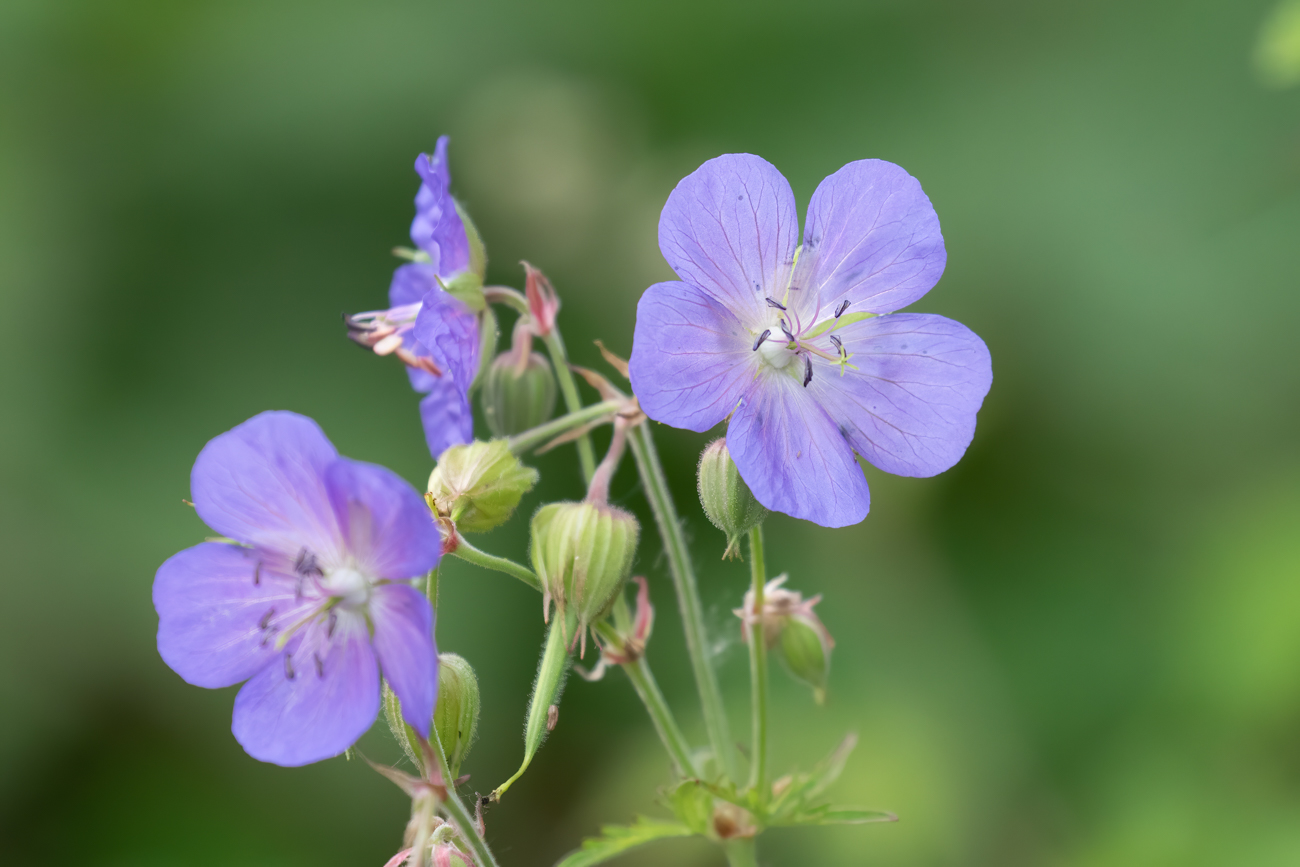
(799, 345)
(314, 600)
(436, 369)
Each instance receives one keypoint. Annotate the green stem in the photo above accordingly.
(741, 852)
(758, 669)
(456, 808)
(688, 597)
(661, 715)
(534, 437)
(568, 388)
(470, 554)
(431, 589)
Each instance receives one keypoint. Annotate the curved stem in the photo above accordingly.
(456, 808)
(534, 437)
(470, 554)
(688, 597)
(758, 669)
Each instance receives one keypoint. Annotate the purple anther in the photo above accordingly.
(773, 303)
(759, 341)
(807, 370)
(844, 305)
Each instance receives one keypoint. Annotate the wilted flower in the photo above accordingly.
(310, 600)
(800, 346)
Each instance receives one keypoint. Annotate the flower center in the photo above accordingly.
(776, 353)
(349, 586)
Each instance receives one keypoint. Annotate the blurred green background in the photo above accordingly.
(1079, 647)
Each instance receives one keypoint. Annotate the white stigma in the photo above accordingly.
(350, 587)
(774, 352)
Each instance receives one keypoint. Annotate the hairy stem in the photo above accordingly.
(456, 809)
(758, 669)
(540, 435)
(662, 716)
(568, 388)
(467, 552)
(688, 597)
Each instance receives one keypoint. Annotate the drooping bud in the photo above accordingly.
(725, 497)
(456, 715)
(518, 393)
(582, 552)
(478, 485)
(792, 627)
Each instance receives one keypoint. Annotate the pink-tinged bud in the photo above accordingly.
(796, 632)
(543, 303)
(447, 855)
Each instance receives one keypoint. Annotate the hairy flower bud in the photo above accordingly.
(796, 632)
(456, 715)
(478, 485)
(517, 395)
(725, 497)
(582, 553)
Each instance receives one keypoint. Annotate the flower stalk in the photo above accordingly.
(467, 552)
(688, 597)
(758, 671)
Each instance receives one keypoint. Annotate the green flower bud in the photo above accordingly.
(805, 646)
(456, 715)
(478, 485)
(725, 497)
(516, 398)
(582, 552)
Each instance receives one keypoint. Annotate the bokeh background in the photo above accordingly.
(1080, 647)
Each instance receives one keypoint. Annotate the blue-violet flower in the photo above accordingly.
(800, 345)
(441, 364)
(313, 597)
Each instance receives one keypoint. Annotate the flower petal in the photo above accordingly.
(446, 415)
(449, 330)
(910, 407)
(793, 457)
(730, 227)
(872, 238)
(217, 608)
(316, 701)
(692, 360)
(437, 228)
(403, 640)
(386, 524)
(263, 483)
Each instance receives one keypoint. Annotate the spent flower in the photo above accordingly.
(800, 346)
(311, 599)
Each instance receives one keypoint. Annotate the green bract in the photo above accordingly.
(725, 497)
(478, 485)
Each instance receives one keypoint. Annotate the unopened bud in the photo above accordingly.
(456, 714)
(793, 629)
(447, 855)
(479, 484)
(517, 395)
(725, 497)
(582, 553)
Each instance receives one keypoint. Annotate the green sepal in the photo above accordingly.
(456, 715)
(551, 674)
(616, 839)
(477, 252)
(405, 736)
(468, 287)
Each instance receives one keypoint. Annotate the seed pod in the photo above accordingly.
(456, 715)
(725, 497)
(582, 552)
(478, 485)
(517, 397)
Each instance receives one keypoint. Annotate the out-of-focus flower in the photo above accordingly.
(432, 323)
(313, 597)
(799, 345)
(792, 627)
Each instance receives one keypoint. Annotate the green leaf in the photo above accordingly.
(856, 817)
(617, 839)
(828, 770)
(692, 804)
